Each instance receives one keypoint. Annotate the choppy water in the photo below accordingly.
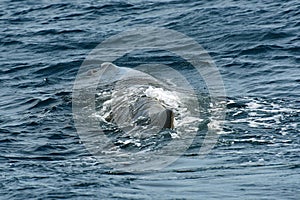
(255, 45)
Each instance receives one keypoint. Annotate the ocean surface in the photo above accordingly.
(255, 46)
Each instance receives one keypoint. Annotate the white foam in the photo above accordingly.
(170, 98)
(263, 114)
(253, 105)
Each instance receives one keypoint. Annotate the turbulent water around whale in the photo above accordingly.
(255, 46)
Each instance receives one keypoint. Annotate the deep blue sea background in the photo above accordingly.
(256, 47)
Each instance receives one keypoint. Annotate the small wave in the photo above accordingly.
(18, 67)
(41, 8)
(38, 103)
(7, 42)
(7, 140)
(258, 49)
(59, 68)
(272, 35)
(57, 32)
(113, 6)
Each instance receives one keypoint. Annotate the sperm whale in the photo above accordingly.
(127, 115)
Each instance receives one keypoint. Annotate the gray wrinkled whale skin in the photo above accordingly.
(144, 111)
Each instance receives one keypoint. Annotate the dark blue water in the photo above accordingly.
(255, 46)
